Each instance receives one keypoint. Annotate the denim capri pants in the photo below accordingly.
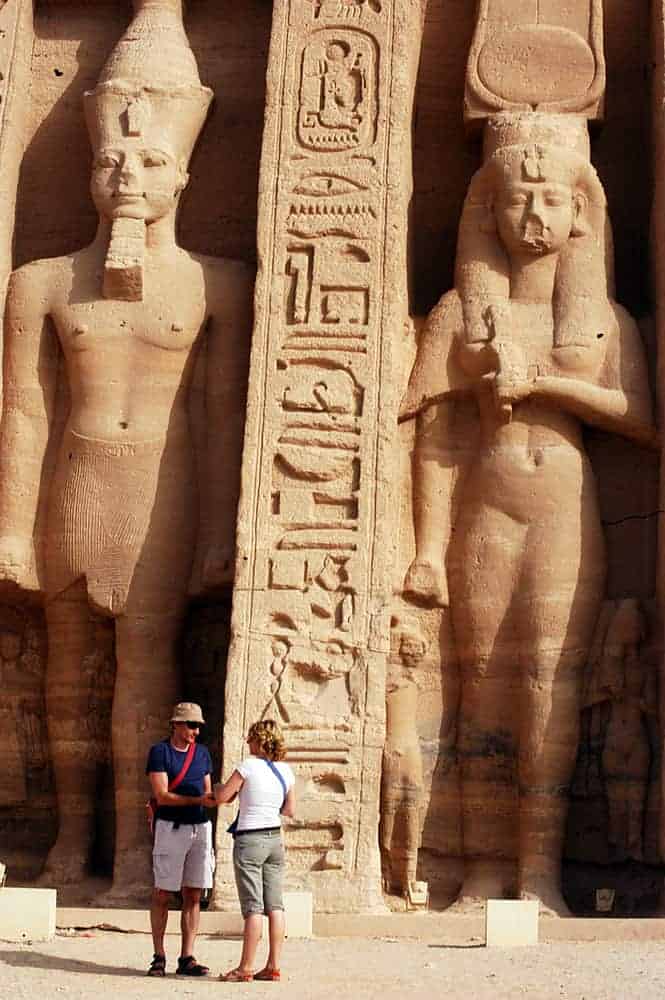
(258, 863)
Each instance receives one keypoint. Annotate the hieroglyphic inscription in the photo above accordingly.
(315, 535)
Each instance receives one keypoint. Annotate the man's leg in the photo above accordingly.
(189, 919)
(72, 635)
(159, 915)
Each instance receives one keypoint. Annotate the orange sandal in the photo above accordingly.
(268, 975)
(236, 976)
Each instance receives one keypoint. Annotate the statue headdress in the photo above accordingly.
(150, 86)
(556, 147)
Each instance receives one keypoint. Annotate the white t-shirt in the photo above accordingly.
(261, 796)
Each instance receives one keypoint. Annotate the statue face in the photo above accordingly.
(133, 181)
(535, 216)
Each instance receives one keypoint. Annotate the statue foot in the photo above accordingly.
(549, 895)
(132, 877)
(427, 583)
(64, 866)
(468, 906)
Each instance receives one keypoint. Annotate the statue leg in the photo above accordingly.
(73, 747)
(560, 597)
(147, 687)
(387, 825)
(484, 567)
(412, 817)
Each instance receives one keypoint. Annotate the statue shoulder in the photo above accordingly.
(36, 282)
(446, 318)
(227, 280)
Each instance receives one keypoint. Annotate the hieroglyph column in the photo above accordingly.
(16, 38)
(318, 518)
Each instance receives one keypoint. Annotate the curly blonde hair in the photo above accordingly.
(269, 738)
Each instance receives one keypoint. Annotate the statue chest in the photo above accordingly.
(129, 329)
(533, 342)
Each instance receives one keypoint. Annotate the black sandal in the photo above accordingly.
(188, 966)
(157, 966)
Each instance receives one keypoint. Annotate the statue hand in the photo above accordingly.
(509, 389)
(17, 561)
(218, 566)
(427, 583)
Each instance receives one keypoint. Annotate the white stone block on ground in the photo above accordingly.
(27, 914)
(511, 922)
(299, 912)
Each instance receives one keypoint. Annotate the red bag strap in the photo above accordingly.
(185, 767)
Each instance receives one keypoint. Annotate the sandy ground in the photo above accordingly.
(96, 965)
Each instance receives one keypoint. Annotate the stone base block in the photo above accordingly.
(299, 911)
(510, 922)
(27, 914)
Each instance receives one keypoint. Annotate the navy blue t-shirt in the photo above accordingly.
(164, 757)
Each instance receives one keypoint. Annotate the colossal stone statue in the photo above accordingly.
(532, 336)
(118, 330)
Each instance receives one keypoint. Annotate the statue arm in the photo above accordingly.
(433, 480)
(436, 382)
(30, 380)
(622, 402)
(227, 365)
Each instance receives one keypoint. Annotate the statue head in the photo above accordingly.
(536, 204)
(144, 118)
(536, 194)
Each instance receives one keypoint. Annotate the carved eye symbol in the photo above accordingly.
(327, 185)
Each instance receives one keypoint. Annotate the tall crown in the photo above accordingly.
(150, 85)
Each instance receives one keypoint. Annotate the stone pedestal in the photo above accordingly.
(27, 914)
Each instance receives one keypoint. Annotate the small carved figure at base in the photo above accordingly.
(402, 775)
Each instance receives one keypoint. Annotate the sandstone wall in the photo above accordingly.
(54, 215)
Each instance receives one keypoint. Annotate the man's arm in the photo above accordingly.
(230, 289)
(30, 379)
(159, 783)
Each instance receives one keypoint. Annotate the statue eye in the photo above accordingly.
(517, 200)
(555, 201)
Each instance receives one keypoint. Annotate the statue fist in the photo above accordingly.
(427, 583)
(17, 561)
(218, 566)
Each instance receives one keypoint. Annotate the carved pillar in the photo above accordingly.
(16, 36)
(317, 521)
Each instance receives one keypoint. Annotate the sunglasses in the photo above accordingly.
(193, 725)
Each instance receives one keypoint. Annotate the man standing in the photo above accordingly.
(179, 770)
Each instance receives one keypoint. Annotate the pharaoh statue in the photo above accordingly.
(111, 337)
(507, 524)
(402, 766)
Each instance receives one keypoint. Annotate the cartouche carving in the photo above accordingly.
(128, 317)
(533, 337)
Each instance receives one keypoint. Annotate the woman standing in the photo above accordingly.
(265, 791)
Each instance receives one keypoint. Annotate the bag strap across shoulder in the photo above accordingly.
(276, 772)
(189, 757)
